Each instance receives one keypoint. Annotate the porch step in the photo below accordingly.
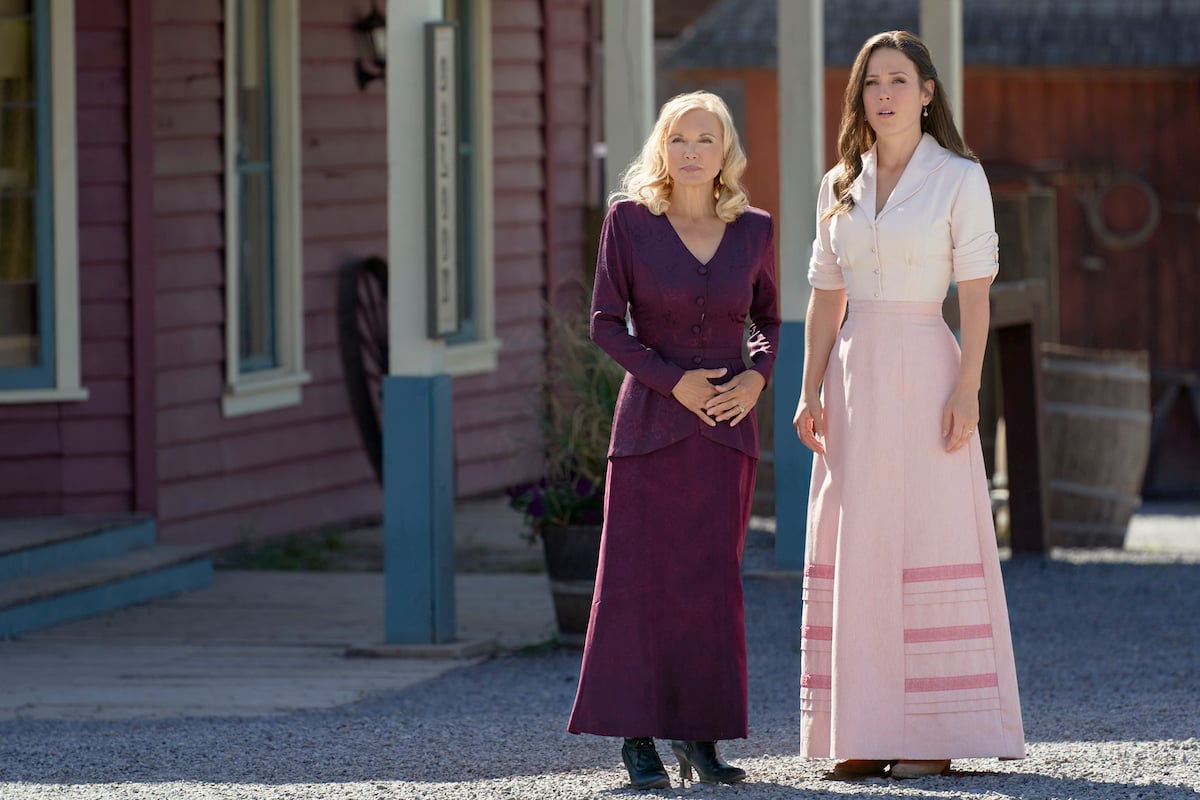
(56, 571)
(40, 545)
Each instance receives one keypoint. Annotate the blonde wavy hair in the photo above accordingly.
(647, 180)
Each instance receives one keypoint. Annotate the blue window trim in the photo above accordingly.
(43, 375)
(247, 364)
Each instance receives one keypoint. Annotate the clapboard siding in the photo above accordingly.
(106, 320)
(353, 501)
(519, 272)
(184, 386)
(95, 437)
(345, 219)
(99, 165)
(353, 185)
(103, 358)
(193, 11)
(189, 269)
(106, 399)
(104, 203)
(207, 469)
(188, 225)
(246, 488)
(341, 221)
(196, 422)
(194, 155)
(519, 216)
(23, 438)
(189, 309)
(71, 458)
(201, 115)
(38, 477)
(254, 449)
(106, 282)
(101, 244)
(107, 125)
(540, 109)
(97, 444)
(181, 81)
(224, 480)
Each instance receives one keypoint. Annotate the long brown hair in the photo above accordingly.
(856, 136)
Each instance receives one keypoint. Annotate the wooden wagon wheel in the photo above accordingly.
(363, 334)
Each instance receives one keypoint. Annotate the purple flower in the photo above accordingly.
(536, 507)
(584, 487)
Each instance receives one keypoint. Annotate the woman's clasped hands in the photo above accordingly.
(727, 402)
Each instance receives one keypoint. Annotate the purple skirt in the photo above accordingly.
(665, 654)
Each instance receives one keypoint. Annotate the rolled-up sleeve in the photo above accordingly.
(973, 236)
(824, 272)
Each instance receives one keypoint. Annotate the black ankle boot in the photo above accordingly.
(646, 770)
(704, 758)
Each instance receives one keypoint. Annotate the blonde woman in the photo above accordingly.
(690, 262)
(906, 656)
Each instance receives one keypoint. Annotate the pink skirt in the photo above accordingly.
(906, 651)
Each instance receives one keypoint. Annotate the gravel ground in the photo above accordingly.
(1108, 657)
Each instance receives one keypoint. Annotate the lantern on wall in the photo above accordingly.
(371, 32)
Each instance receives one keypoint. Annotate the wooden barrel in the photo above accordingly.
(1097, 441)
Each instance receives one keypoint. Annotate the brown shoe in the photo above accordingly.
(860, 768)
(919, 769)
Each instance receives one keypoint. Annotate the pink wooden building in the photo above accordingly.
(182, 182)
(177, 349)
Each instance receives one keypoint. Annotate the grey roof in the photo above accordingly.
(740, 34)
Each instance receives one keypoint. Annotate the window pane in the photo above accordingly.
(18, 188)
(254, 82)
(258, 274)
(256, 189)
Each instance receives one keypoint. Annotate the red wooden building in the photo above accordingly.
(152, 368)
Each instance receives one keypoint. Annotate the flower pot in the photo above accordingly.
(572, 553)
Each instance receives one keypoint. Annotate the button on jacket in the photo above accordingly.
(937, 224)
(685, 315)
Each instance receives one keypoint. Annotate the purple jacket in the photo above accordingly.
(686, 315)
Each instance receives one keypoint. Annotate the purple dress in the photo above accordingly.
(665, 654)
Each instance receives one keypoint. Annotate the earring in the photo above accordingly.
(925, 112)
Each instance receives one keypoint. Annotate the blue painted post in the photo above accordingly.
(418, 509)
(801, 67)
(793, 461)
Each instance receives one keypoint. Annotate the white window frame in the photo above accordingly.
(481, 354)
(68, 386)
(253, 392)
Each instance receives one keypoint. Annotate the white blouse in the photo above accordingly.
(937, 223)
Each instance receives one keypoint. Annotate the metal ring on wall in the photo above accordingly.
(1093, 204)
